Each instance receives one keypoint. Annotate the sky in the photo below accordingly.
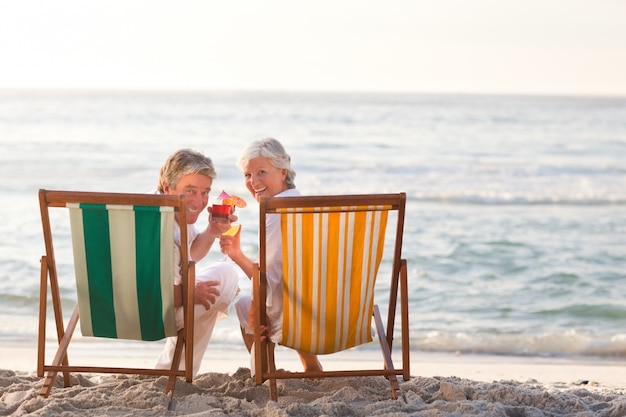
(564, 47)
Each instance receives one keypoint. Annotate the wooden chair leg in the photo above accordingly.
(171, 384)
(47, 384)
(404, 299)
(380, 331)
(271, 364)
(61, 356)
(178, 352)
(259, 352)
(43, 307)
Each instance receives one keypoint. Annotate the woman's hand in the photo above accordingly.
(265, 330)
(230, 244)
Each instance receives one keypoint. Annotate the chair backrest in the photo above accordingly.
(124, 259)
(332, 248)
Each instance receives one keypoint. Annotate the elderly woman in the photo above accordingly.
(267, 172)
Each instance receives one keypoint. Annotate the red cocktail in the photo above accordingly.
(221, 212)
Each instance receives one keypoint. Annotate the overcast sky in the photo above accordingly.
(443, 46)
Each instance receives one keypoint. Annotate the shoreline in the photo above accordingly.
(440, 384)
(227, 359)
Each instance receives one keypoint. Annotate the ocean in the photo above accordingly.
(515, 233)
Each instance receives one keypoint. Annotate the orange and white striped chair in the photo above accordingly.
(332, 249)
(124, 260)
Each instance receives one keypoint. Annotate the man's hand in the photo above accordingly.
(205, 293)
(216, 228)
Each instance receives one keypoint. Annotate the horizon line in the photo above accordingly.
(163, 90)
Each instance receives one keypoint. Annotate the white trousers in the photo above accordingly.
(274, 315)
(204, 320)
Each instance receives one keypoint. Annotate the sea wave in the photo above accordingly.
(516, 206)
(516, 200)
(566, 343)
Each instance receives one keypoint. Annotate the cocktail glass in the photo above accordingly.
(221, 212)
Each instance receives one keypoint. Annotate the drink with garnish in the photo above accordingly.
(225, 206)
(220, 212)
(222, 208)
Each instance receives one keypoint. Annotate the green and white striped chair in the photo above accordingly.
(124, 260)
(332, 249)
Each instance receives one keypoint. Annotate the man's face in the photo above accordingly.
(196, 188)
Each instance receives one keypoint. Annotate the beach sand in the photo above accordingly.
(441, 385)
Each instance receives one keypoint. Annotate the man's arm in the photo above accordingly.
(203, 242)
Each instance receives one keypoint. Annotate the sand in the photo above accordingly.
(442, 385)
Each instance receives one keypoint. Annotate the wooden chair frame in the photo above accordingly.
(265, 366)
(58, 199)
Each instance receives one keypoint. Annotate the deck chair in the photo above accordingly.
(124, 259)
(332, 248)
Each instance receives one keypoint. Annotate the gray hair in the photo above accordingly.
(274, 151)
(184, 162)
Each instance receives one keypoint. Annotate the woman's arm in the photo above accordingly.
(231, 246)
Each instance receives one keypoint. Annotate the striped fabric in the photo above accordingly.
(124, 263)
(328, 292)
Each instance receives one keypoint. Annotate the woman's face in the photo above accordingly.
(264, 179)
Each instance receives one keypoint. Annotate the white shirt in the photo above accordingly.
(274, 254)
